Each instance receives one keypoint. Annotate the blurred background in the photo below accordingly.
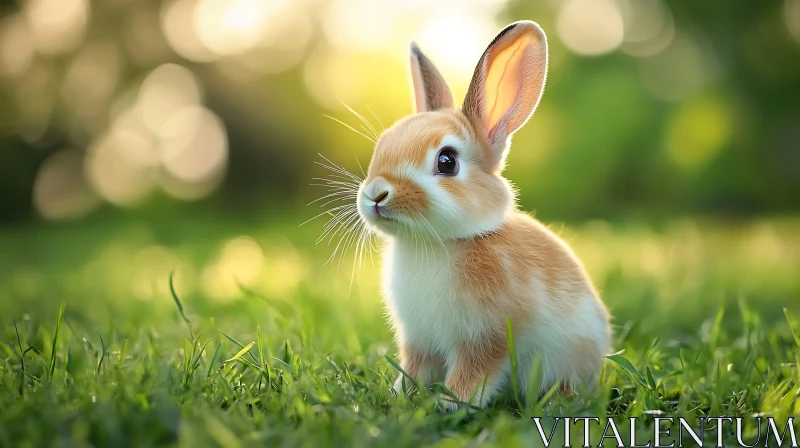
(140, 137)
(651, 108)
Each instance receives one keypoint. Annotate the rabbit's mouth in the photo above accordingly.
(380, 212)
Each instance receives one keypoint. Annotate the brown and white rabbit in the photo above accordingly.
(460, 259)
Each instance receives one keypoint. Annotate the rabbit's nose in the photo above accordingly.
(379, 191)
(381, 196)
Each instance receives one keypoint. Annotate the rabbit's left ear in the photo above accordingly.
(507, 84)
(430, 90)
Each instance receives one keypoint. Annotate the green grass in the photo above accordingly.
(269, 345)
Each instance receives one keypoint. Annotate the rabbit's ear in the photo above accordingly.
(430, 90)
(508, 82)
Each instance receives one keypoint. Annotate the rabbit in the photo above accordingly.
(459, 258)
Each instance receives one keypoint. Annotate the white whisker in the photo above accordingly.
(351, 128)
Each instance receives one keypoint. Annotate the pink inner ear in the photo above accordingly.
(504, 81)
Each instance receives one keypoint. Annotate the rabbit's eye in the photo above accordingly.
(446, 162)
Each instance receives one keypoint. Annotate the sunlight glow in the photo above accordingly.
(456, 41)
(359, 24)
(233, 26)
(177, 24)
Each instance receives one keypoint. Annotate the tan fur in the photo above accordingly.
(395, 147)
(479, 188)
(487, 262)
(420, 365)
(475, 364)
(503, 260)
(410, 199)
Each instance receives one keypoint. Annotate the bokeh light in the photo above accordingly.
(359, 24)
(121, 168)
(791, 15)
(191, 98)
(590, 27)
(697, 131)
(177, 24)
(60, 191)
(194, 150)
(57, 26)
(166, 90)
(239, 262)
(232, 26)
(90, 82)
(649, 26)
(680, 70)
(16, 46)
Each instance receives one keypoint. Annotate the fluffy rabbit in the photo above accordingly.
(460, 259)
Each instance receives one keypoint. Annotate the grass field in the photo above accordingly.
(276, 348)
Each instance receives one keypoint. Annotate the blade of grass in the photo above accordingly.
(21, 360)
(792, 327)
(535, 378)
(623, 362)
(123, 353)
(102, 353)
(512, 353)
(236, 341)
(213, 358)
(240, 353)
(52, 368)
(179, 304)
(405, 374)
(260, 343)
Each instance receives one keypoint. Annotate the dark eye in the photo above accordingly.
(447, 163)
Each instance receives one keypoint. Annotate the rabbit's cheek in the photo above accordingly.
(409, 199)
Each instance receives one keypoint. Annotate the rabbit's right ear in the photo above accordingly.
(430, 90)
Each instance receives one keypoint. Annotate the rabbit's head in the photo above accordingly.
(438, 171)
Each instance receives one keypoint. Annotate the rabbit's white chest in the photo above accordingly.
(420, 292)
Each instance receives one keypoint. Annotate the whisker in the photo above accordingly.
(363, 173)
(347, 238)
(351, 128)
(326, 212)
(334, 200)
(336, 168)
(338, 196)
(363, 120)
(376, 117)
(343, 228)
(341, 173)
(343, 183)
(339, 178)
(337, 224)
